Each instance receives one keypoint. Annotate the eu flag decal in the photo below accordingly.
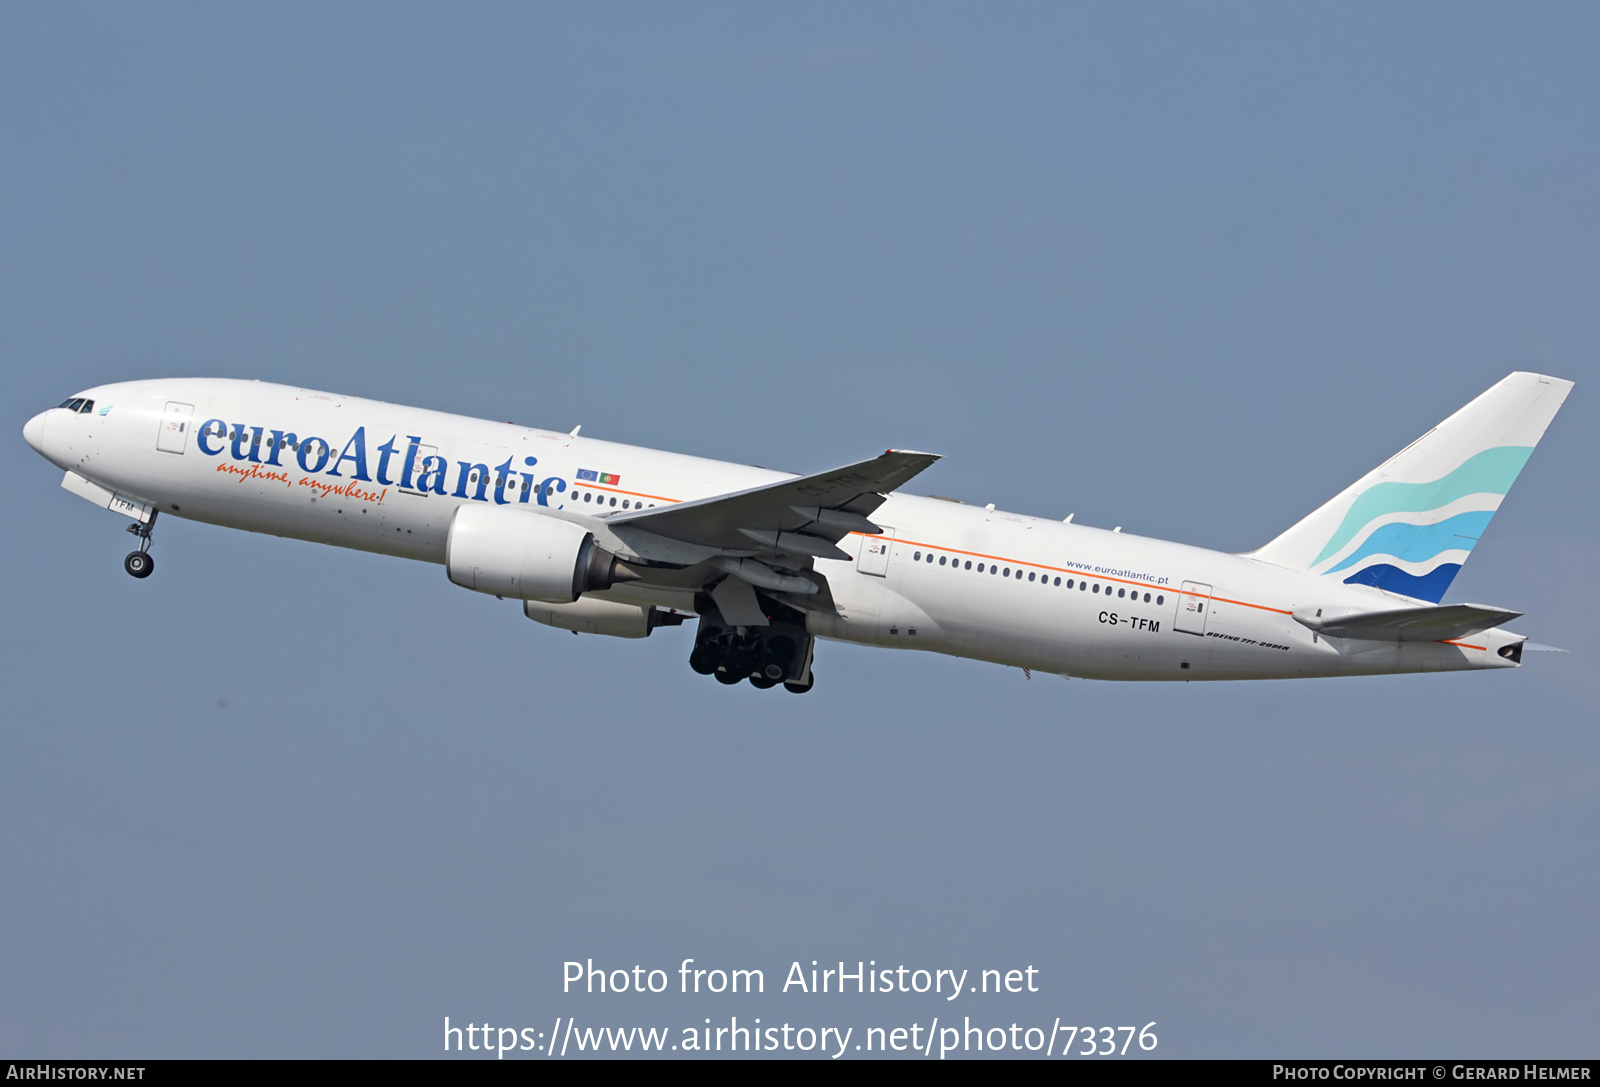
(584, 473)
(611, 479)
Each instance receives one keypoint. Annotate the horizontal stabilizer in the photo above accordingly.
(1438, 624)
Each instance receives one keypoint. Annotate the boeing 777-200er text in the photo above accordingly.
(602, 538)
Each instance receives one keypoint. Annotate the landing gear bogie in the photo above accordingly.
(779, 652)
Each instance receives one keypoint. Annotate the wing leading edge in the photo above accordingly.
(804, 516)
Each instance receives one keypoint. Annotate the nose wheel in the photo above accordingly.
(141, 563)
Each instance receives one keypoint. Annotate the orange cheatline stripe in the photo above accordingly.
(1247, 604)
(619, 490)
(1081, 573)
(1464, 645)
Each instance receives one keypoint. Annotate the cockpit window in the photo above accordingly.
(86, 407)
(78, 404)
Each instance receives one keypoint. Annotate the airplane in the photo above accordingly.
(600, 538)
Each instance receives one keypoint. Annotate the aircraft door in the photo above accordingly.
(419, 467)
(1194, 603)
(176, 422)
(874, 556)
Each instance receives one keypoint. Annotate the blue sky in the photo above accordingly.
(1188, 270)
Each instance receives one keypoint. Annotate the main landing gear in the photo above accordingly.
(767, 656)
(141, 563)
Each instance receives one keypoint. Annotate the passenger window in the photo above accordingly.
(587, 496)
(993, 569)
(980, 567)
(1058, 581)
(917, 557)
(1147, 598)
(1069, 583)
(1160, 599)
(624, 503)
(613, 501)
(969, 566)
(1007, 572)
(1122, 592)
(1030, 575)
(1097, 586)
(941, 560)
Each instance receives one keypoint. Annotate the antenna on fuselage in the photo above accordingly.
(575, 430)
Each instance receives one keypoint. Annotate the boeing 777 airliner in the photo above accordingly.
(602, 538)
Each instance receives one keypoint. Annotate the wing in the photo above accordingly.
(1434, 624)
(804, 516)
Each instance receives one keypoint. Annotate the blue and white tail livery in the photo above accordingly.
(1407, 526)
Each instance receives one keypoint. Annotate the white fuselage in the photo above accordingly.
(962, 580)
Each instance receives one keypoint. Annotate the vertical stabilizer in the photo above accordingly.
(1408, 525)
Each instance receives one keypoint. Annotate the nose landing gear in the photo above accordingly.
(141, 563)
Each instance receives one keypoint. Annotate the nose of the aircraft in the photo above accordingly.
(33, 431)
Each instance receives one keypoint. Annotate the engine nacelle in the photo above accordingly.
(526, 556)
(591, 616)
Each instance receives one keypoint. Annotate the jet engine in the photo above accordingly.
(527, 556)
